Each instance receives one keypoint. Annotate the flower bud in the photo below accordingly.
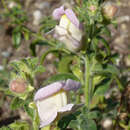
(109, 10)
(92, 8)
(18, 85)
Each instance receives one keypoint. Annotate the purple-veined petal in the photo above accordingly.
(72, 17)
(48, 91)
(58, 12)
(71, 85)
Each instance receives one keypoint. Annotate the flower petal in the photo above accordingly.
(75, 32)
(48, 91)
(68, 107)
(72, 17)
(64, 22)
(48, 108)
(60, 30)
(58, 12)
(71, 85)
(50, 120)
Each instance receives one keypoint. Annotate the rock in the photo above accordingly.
(123, 19)
(107, 124)
(37, 15)
(43, 5)
(5, 54)
(11, 5)
(127, 60)
(1, 68)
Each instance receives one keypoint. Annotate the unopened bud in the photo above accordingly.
(109, 10)
(18, 85)
(92, 8)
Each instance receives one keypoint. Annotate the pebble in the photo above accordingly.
(43, 5)
(119, 40)
(123, 19)
(107, 124)
(1, 68)
(5, 54)
(127, 60)
(50, 57)
(37, 15)
(124, 28)
(11, 5)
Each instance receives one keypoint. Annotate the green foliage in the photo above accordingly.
(19, 126)
(16, 103)
(16, 37)
(93, 66)
(64, 64)
(5, 128)
(47, 24)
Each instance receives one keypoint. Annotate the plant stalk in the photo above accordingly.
(87, 81)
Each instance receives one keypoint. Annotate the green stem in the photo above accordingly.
(119, 83)
(78, 99)
(87, 81)
(38, 36)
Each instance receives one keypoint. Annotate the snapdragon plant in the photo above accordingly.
(77, 37)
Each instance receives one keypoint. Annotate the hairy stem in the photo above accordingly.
(87, 81)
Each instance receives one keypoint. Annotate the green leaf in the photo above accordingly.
(39, 69)
(105, 30)
(29, 110)
(26, 35)
(32, 62)
(35, 43)
(103, 87)
(64, 64)
(88, 125)
(64, 122)
(106, 69)
(99, 92)
(5, 128)
(59, 77)
(94, 115)
(76, 69)
(19, 126)
(105, 43)
(16, 37)
(16, 103)
(47, 24)
(111, 69)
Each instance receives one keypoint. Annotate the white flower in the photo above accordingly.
(69, 30)
(52, 101)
